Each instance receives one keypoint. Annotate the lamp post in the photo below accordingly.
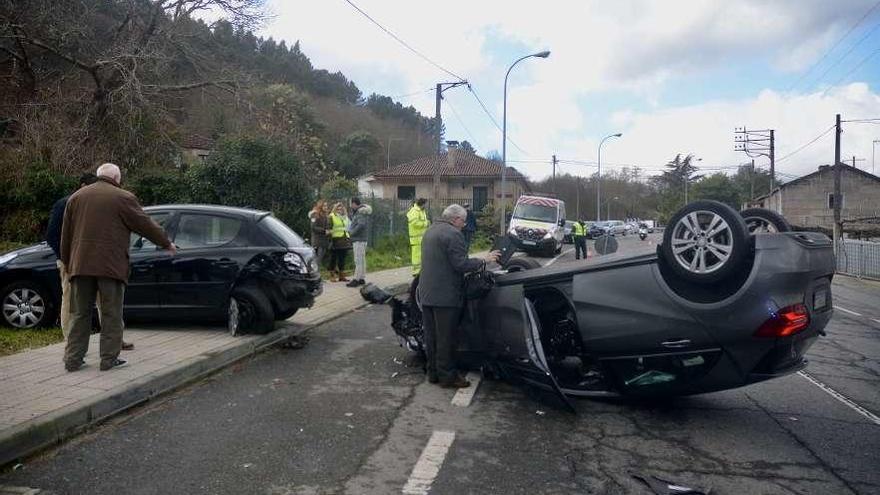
(388, 151)
(544, 54)
(873, 145)
(607, 203)
(599, 176)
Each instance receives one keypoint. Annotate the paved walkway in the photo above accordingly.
(41, 403)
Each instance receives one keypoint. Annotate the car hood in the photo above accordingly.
(35, 252)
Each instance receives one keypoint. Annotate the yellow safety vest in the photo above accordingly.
(578, 230)
(338, 225)
(417, 221)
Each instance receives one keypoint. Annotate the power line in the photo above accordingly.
(841, 59)
(404, 43)
(802, 147)
(492, 118)
(458, 118)
(412, 94)
(857, 67)
(805, 74)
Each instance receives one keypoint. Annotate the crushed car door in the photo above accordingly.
(514, 339)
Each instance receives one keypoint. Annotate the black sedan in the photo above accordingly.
(714, 308)
(235, 264)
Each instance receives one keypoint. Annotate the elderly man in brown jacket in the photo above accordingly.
(95, 234)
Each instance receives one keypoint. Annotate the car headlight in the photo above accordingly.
(547, 235)
(295, 263)
(512, 231)
(6, 258)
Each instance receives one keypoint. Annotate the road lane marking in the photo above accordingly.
(563, 253)
(875, 320)
(464, 396)
(842, 398)
(847, 310)
(429, 463)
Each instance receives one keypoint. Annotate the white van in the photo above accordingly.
(538, 224)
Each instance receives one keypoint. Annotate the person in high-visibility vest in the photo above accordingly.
(579, 234)
(340, 242)
(417, 223)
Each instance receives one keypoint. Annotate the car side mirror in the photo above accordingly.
(561, 223)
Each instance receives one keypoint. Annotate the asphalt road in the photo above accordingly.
(347, 415)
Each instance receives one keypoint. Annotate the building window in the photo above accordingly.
(831, 201)
(406, 192)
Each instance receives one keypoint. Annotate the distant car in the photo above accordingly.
(568, 238)
(597, 229)
(235, 264)
(615, 227)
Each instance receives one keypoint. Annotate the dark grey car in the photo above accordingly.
(714, 308)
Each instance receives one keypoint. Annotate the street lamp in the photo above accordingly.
(599, 175)
(608, 204)
(388, 151)
(544, 54)
(873, 144)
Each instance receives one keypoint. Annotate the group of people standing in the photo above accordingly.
(335, 232)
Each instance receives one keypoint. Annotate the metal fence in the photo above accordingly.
(389, 214)
(859, 258)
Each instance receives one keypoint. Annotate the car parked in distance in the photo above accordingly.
(235, 264)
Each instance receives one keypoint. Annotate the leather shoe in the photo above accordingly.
(432, 378)
(353, 283)
(74, 366)
(460, 382)
(108, 365)
(127, 346)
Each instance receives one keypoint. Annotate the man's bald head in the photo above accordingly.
(110, 171)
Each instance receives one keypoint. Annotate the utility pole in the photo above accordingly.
(554, 174)
(752, 181)
(577, 193)
(438, 119)
(757, 143)
(838, 228)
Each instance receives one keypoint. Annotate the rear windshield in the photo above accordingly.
(535, 212)
(281, 231)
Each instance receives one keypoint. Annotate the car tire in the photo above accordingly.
(521, 264)
(39, 308)
(285, 315)
(705, 242)
(558, 249)
(249, 311)
(760, 220)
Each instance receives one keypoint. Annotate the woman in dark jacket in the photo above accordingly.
(319, 218)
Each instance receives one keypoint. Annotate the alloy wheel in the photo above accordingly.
(758, 225)
(234, 317)
(702, 242)
(23, 308)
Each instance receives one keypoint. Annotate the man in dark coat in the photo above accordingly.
(441, 293)
(470, 226)
(98, 221)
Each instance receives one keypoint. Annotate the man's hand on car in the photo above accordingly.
(172, 249)
(493, 256)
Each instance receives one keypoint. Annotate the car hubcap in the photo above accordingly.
(23, 308)
(234, 317)
(759, 225)
(702, 242)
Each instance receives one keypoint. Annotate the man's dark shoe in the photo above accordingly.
(362, 282)
(353, 283)
(460, 382)
(433, 378)
(127, 346)
(108, 365)
(74, 366)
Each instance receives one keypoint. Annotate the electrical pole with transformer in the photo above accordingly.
(758, 143)
(437, 117)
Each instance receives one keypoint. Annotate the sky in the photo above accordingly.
(672, 76)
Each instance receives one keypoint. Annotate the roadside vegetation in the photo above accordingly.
(13, 341)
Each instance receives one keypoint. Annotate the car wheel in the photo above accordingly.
(414, 292)
(605, 244)
(760, 220)
(26, 305)
(521, 263)
(285, 315)
(705, 242)
(249, 311)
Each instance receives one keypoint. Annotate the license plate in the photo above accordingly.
(529, 243)
(820, 299)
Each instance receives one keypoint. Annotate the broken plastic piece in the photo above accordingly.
(664, 487)
(650, 377)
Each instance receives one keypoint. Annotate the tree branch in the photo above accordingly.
(223, 84)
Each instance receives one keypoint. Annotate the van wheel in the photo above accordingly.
(249, 311)
(706, 242)
(760, 220)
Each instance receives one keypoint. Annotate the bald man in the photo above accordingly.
(98, 221)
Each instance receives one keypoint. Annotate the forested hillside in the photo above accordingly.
(88, 81)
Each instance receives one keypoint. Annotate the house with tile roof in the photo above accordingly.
(457, 175)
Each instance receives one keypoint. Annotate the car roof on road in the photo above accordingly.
(249, 212)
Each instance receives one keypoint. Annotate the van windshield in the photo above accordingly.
(535, 212)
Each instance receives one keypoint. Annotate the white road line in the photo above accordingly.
(842, 398)
(875, 320)
(429, 463)
(464, 396)
(560, 255)
(847, 310)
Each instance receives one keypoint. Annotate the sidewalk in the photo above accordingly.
(42, 404)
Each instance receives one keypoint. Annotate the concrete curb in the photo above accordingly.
(53, 428)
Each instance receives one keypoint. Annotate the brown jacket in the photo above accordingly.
(98, 222)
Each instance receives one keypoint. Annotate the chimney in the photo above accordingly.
(451, 154)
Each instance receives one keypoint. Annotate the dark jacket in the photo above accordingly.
(470, 224)
(320, 224)
(444, 263)
(53, 232)
(359, 230)
(98, 222)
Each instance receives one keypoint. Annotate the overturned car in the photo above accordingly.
(726, 300)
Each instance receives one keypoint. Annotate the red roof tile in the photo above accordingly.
(466, 165)
(197, 141)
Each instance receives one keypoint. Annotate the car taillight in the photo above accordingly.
(787, 321)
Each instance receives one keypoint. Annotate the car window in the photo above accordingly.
(199, 230)
(281, 231)
(136, 242)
